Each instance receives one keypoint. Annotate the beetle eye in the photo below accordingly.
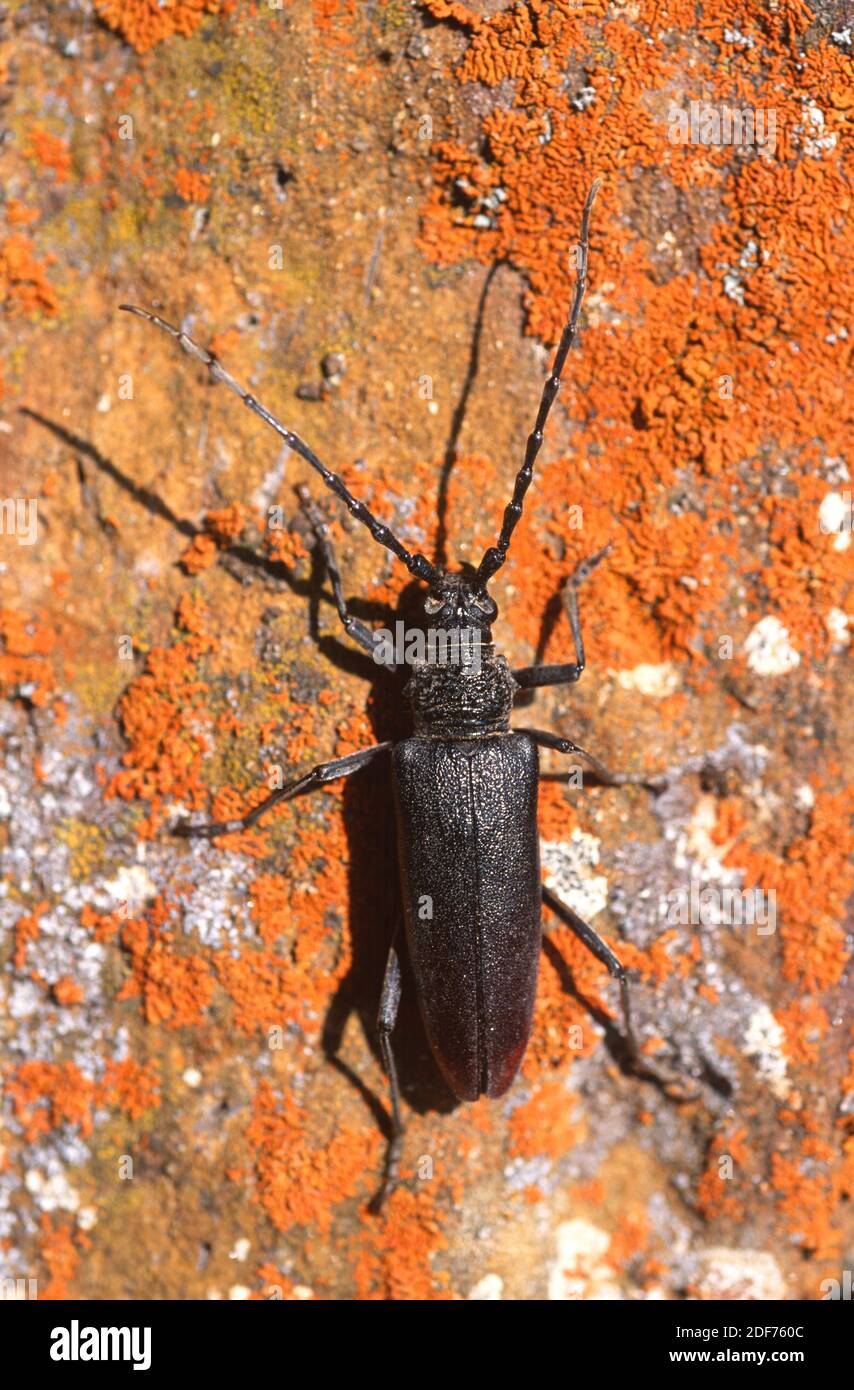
(433, 605)
(484, 604)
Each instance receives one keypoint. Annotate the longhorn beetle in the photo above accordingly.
(465, 788)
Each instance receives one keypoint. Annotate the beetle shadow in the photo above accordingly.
(548, 623)
(449, 457)
(247, 561)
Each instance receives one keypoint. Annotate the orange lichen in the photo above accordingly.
(49, 152)
(19, 215)
(176, 989)
(226, 524)
(271, 907)
(298, 1181)
(26, 642)
(164, 718)
(222, 528)
(67, 992)
(199, 555)
(263, 988)
(544, 1124)
(61, 1257)
(556, 815)
(692, 373)
(144, 23)
(394, 1255)
(453, 9)
(192, 186)
(722, 1187)
(805, 1023)
(47, 1094)
(294, 977)
(27, 930)
(812, 882)
(104, 926)
(131, 1086)
(24, 286)
(809, 1200)
(333, 21)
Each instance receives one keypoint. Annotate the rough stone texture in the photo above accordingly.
(192, 1095)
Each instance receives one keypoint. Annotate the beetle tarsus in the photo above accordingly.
(188, 831)
(391, 1177)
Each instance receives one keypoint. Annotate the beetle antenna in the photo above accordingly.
(496, 554)
(418, 565)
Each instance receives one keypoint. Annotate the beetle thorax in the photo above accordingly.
(461, 699)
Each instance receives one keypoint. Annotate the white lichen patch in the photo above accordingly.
(697, 856)
(25, 999)
(836, 622)
(216, 910)
(568, 869)
(53, 1193)
(764, 1044)
(815, 140)
(805, 796)
(769, 650)
(834, 519)
(646, 679)
(579, 1270)
(131, 887)
(740, 1274)
(489, 1289)
(698, 849)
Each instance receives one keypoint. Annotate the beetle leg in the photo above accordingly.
(386, 1019)
(319, 775)
(673, 1085)
(356, 629)
(530, 677)
(611, 779)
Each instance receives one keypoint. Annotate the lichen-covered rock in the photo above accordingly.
(191, 1086)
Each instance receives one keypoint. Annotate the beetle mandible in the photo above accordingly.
(465, 788)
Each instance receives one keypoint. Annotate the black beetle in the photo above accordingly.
(465, 787)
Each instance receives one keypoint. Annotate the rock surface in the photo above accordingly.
(193, 1098)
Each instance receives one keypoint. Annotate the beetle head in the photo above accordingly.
(457, 601)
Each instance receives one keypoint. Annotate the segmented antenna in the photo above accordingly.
(418, 565)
